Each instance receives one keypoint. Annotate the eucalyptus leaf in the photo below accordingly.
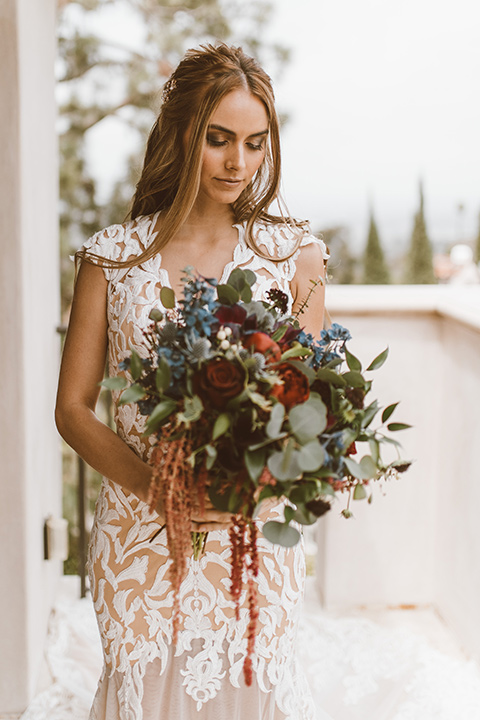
(255, 463)
(222, 424)
(311, 456)
(246, 294)
(227, 294)
(368, 466)
(114, 383)
(132, 394)
(379, 360)
(193, 408)
(374, 450)
(359, 493)
(167, 297)
(369, 413)
(284, 466)
(352, 361)
(304, 516)
(237, 279)
(388, 412)
(274, 425)
(156, 315)
(281, 533)
(308, 420)
(288, 513)
(356, 469)
(250, 277)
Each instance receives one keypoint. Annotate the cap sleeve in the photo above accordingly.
(107, 244)
(310, 239)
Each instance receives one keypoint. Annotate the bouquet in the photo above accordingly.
(245, 405)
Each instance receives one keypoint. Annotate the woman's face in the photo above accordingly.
(234, 147)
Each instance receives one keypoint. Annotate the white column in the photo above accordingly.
(30, 473)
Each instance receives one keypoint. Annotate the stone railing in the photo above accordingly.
(419, 541)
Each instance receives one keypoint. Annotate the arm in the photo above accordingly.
(81, 370)
(310, 266)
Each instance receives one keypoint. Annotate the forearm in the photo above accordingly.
(103, 449)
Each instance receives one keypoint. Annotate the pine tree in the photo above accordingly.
(419, 268)
(375, 270)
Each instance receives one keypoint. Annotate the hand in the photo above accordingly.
(211, 519)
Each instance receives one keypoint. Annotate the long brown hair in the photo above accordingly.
(171, 173)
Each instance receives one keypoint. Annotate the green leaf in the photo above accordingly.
(193, 408)
(354, 379)
(357, 470)
(308, 420)
(393, 427)
(305, 491)
(331, 377)
(222, 424)
(374, 450)
(136, 366)
(237, 279)
(279, 333)
(255, 462)
(379, 360)
(160, 412)
(227, 294)
(221, 501)
(297, 350)
(284, 465)
(274, 425)
(288, 513)
(311, 456)
(132, 394)
(156, 315)
(114, 383)
(388, 412)
(281, 533)
(211, 456)
(250, 277)
(167, 297)
(352, 361)
(162, 375)
(368, 466)
(359, 493)
(304, 516)
(246, 294)
(369, 413)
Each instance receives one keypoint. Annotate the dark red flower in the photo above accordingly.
(218, 381)
(231, 314)
(295, 388)
(262, 343)
(352, 449)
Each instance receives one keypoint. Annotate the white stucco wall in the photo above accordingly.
(30, 477)
(420, 542)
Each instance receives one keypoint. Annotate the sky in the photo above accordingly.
(380, 95)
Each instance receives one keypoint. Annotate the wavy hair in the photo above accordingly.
(170, 176)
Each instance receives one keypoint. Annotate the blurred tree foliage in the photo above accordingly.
(419, 262)
(342, 265)
(99, 79)
(375, 270)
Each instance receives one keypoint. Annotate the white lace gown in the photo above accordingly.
(145, 677)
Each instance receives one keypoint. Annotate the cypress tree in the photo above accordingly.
(419, 269)
(477, 244)
(375, 270)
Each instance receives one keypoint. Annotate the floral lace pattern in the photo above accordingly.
(129, 573)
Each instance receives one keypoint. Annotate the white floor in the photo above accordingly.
(375, 664)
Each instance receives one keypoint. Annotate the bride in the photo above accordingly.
(211, 172)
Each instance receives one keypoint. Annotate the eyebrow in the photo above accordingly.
(233, 134)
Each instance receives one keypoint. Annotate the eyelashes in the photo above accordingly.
(213, 142)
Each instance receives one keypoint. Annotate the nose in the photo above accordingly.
(236, 157)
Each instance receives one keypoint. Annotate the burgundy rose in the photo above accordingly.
(218, 381)
(262, 343)
(295, 388)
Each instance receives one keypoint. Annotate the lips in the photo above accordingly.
(230, 181)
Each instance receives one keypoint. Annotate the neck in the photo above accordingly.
(209, 216)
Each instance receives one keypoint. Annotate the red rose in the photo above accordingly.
(295, 388)
(263, 343)
(218, 381)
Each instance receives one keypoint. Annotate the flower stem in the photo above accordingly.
(198, 544)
